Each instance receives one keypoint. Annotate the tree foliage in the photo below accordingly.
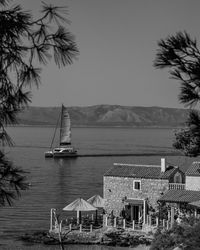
(184, 235)
(26, 43)
(181, 55)
(188, 139)
(12, 180)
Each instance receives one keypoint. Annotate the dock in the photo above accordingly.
(130, 154)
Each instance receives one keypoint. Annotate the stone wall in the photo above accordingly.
(192, 183)
(116, 188)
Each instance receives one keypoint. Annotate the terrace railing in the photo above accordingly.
(119, 222)
(177, 186)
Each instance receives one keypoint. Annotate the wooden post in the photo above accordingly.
(124, 223)
(167, 224)
(106, 221)
(115, 222)
(168, 215)
(51, 219)
(144, 212)
(78, 216)
(172, 216)
(157, 221)
(80, 228)
(92, 217)
(133, 225)
(149, 220)
(91, 228)
(164, 223)
(60, 226)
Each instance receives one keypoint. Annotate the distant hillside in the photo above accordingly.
(107, 115)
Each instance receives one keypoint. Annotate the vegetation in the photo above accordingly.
(185, 235)
(25, 43)
(181, 55)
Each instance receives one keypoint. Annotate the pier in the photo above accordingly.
(130, 154)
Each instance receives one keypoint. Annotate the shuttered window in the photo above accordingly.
(137, 185)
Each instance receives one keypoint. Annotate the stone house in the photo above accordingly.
(189, 196)
(133, 189)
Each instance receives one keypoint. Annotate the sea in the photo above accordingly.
(54, 183)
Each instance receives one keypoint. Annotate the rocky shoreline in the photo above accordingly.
(104, 236)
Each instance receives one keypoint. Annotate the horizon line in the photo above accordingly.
(80, 106)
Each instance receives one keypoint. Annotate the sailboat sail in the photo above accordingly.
(65, 129)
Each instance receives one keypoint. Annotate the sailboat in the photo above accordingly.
(64, 149)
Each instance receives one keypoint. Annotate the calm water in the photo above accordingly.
(56, 183)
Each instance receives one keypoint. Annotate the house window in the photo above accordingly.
(177, 178)
(137, 185)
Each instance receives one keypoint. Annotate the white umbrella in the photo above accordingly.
(97, 201)
(195, 204)
(79, 205)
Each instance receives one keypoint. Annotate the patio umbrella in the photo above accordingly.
(79, 205)
(97, 201)
(195, 204)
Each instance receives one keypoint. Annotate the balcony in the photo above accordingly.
(177, 186)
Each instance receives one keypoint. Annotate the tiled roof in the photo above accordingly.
(140, 171)
(185, 196)
(194, 169)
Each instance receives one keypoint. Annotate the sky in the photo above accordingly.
(117, 40)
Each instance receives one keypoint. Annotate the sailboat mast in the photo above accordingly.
(61, 122)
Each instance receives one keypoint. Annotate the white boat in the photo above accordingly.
(64, 149)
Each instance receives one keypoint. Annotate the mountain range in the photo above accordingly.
(107, 115)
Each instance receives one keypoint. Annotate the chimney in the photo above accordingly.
(163, 165)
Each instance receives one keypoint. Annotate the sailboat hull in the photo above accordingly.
(64, 152)
(48, 154)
